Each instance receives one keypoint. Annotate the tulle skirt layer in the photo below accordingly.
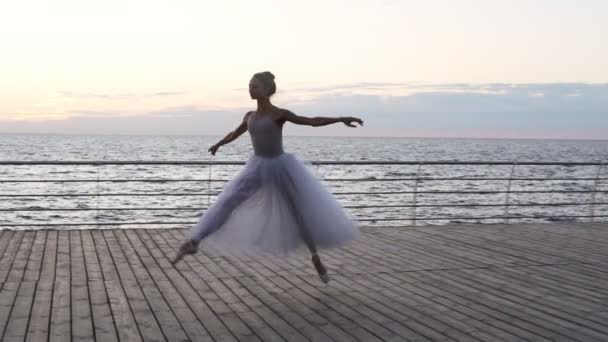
(274, 205)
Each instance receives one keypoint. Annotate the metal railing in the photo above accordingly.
(416, 184)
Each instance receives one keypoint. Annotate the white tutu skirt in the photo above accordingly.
(277, 206)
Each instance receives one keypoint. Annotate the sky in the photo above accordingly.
(466, 68)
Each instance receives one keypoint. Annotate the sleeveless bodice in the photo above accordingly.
(266, 136)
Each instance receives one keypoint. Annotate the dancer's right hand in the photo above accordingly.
(213, 149)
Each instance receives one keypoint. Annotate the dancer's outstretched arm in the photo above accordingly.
(318, 121)
(242, 128)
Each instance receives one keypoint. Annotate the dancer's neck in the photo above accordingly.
(264, 105)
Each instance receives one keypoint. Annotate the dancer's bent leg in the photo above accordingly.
(308, 239)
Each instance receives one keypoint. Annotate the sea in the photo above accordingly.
(108, 196)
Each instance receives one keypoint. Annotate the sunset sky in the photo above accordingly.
(473, 68)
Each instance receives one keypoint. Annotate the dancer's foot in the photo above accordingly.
(188, 247)
(321, 270)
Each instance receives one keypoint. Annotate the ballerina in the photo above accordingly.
(275, 204)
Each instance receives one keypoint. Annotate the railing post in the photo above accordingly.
(97, 188)
(414, 196)
(595, 183)
(209, 184)
(507, 196)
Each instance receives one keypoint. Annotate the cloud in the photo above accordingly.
(119, 96)
(561, 110)
(496, 98)
(187, 121)
(412, 87)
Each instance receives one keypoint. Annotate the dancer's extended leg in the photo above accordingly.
(218, 213)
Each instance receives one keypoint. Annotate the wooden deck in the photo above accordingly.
(544, 282)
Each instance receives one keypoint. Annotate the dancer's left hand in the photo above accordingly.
(348, 121)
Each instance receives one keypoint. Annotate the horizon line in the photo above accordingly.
(309, 136)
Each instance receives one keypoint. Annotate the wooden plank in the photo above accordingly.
(9, 256)
(17, 270)
(101, 312)
(103, 321)
(82, 323)
(478, 308)
(61, 312)
(410, 299)
(554, 247)
(315, 327)
(5, 236)
(7, 241)
(20, 314)
(17, 327)
(192, 327)
(345, 324)
(559, 329)
(220, 321)
(188, 286)
(299, 328)
(419, 315)
(7, 299)
(541, 240)
(539, 307)
(439, 245)
(144, 315)
(38, 329)
(124, 321)
(533, 282)
(32, 271)
(339, 295)
(280, 325)
(149, 282)
(126, 326)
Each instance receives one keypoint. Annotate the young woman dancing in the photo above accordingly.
(275, 204)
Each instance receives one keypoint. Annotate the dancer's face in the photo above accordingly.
(256, 89)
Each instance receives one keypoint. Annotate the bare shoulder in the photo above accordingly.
(285, 113)
(248, 114)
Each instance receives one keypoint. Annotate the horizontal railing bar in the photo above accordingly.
(347, 206)
(94, 224)
(480, 218)
(109, 180)
(361, 220)
(100, 209)
(122, 162)
(316, 162)
(112, 194)
(335, 193)
(468, 192)
(470, 205)
(422, 179)
(324, 179)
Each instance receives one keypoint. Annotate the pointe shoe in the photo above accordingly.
(188, 247)
(324, 278)
(321, 270)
